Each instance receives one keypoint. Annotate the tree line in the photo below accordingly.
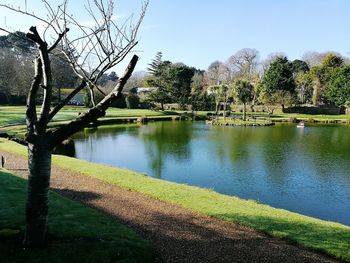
(316, 79)
(17, 54)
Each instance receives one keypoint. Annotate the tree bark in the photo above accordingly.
(39, 162)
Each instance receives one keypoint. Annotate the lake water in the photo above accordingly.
(306, 170)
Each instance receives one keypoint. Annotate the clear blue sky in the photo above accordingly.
(198, 32)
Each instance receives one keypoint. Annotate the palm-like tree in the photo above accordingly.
(243, 90)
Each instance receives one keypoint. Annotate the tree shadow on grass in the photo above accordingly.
(81, 196)
(188, 237)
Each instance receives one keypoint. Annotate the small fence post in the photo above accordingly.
(3, 160)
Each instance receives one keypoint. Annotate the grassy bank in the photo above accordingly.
(77, 233)
(331, 238)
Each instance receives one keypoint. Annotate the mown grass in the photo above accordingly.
(15, 115)
(77, 233)
(328, 237)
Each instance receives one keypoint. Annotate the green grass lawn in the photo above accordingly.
(15, 115)
(328, 237)
(77, 233)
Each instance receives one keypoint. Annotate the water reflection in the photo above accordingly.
(303, 170)
(167, 140)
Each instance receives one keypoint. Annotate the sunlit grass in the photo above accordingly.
(15, 115)
(329, 237)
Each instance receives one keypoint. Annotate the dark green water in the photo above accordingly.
(302, 170)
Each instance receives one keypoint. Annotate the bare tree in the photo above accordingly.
(313, 58)
(91, 53)
(244, 63)
(218, 73)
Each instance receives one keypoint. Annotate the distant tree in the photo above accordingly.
(265, 64)
(158, 70)
(63, 76)
(18, 42)
(15, 72)
(132, 101)
(315, 58)
(179, 79)
(338, 87)
(299, 66)
(113, 76)
(279, 76)
(218, 93)
(217, 73)
(276, 99)
(244, 63)
(304, 86)
(243, 91)
(137, 80)
(321, 75)
(199, 98)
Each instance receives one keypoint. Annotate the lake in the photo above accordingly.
(305, 170)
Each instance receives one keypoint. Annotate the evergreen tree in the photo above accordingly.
(279, 76)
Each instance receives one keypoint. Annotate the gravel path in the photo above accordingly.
(177, 234)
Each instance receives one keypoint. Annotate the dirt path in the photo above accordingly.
(177, 234)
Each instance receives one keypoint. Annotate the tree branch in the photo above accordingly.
(94, 113)
(47, 85)
(60, 36)
(31, 116)
(34, 36)
(66, 100)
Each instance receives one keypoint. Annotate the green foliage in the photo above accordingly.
(172, 80)
(322, 74)
(199, 99)
(279, 76)
(243, 90)
(156, 64)
(179, 79)
(75, 230)
(332, 61)
(304, 86)
(113, 76)
(202, 102)
(132, 101)
(299, 66)
(338, 87)
(158, 70)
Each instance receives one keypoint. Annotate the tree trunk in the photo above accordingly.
(225, 110)
(244, 110)
(216, 109)
(39, 162)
